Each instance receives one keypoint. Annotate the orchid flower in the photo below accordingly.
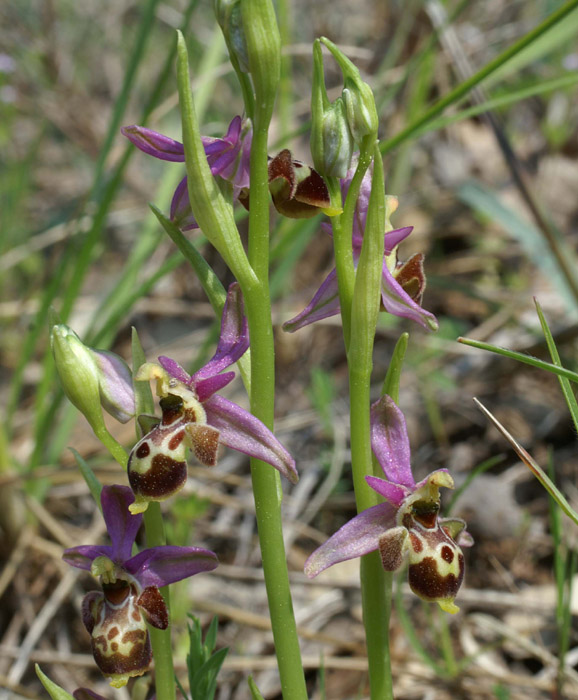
(407, 526)
(227, 157)
(402, 284)
(298, 191)
(195, 417)
(116, 616)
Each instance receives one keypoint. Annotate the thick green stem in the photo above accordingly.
(342, 237)
(267, 494)
(266, 481)
(160, 639)
(155, 537)
(165, 686)
(375, 584)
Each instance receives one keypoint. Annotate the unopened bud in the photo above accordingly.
(358, 97)
(78, 373)
(228, 14)
(115, 385)
(92, 378)
(261, 33)
(331, 139)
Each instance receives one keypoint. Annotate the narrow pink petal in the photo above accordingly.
(325, 303)
(121, 525)
(357, 537)
(234, 338)
(160, 566)
(155, 144)
(174, 369)
(240, 178)
(207, 387)
(395, 237)
(234, 130)
(390, 443)
(394, 493)
(398, 302)
(241, 431)
(82, 557)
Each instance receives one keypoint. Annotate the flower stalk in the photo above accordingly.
(342, 238)
(155, 537)
(375, 584)
(264, 56)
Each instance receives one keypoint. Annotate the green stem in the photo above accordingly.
(342, 236)
(155, 537)
(286, 101)
(375, 585)
(267, 494)
(446, 646)
(160, 639)
(114, 447)
(266, 481)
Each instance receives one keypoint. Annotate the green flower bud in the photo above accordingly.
(331, 139)
(264, 51)
(228, 14)
(358, 97)
(78, 373)
(92, 379)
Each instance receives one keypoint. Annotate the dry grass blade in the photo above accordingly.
(532, 465)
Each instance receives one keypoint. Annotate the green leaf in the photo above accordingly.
(211, 636)
(143, 396)
(564, 383)
(94, 485)
(204, 682)
(209, 281)
(393, 376)
(55, 691)
(533, 466)
(255, 694)
(521, 357)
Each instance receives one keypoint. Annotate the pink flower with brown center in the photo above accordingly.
(407, 526)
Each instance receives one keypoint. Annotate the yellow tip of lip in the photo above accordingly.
(119, 681)
(332, 211)
(138, 507)
(448, 606)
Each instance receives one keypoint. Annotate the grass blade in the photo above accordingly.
(533, 466)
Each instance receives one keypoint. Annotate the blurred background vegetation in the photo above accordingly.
(490, 188)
